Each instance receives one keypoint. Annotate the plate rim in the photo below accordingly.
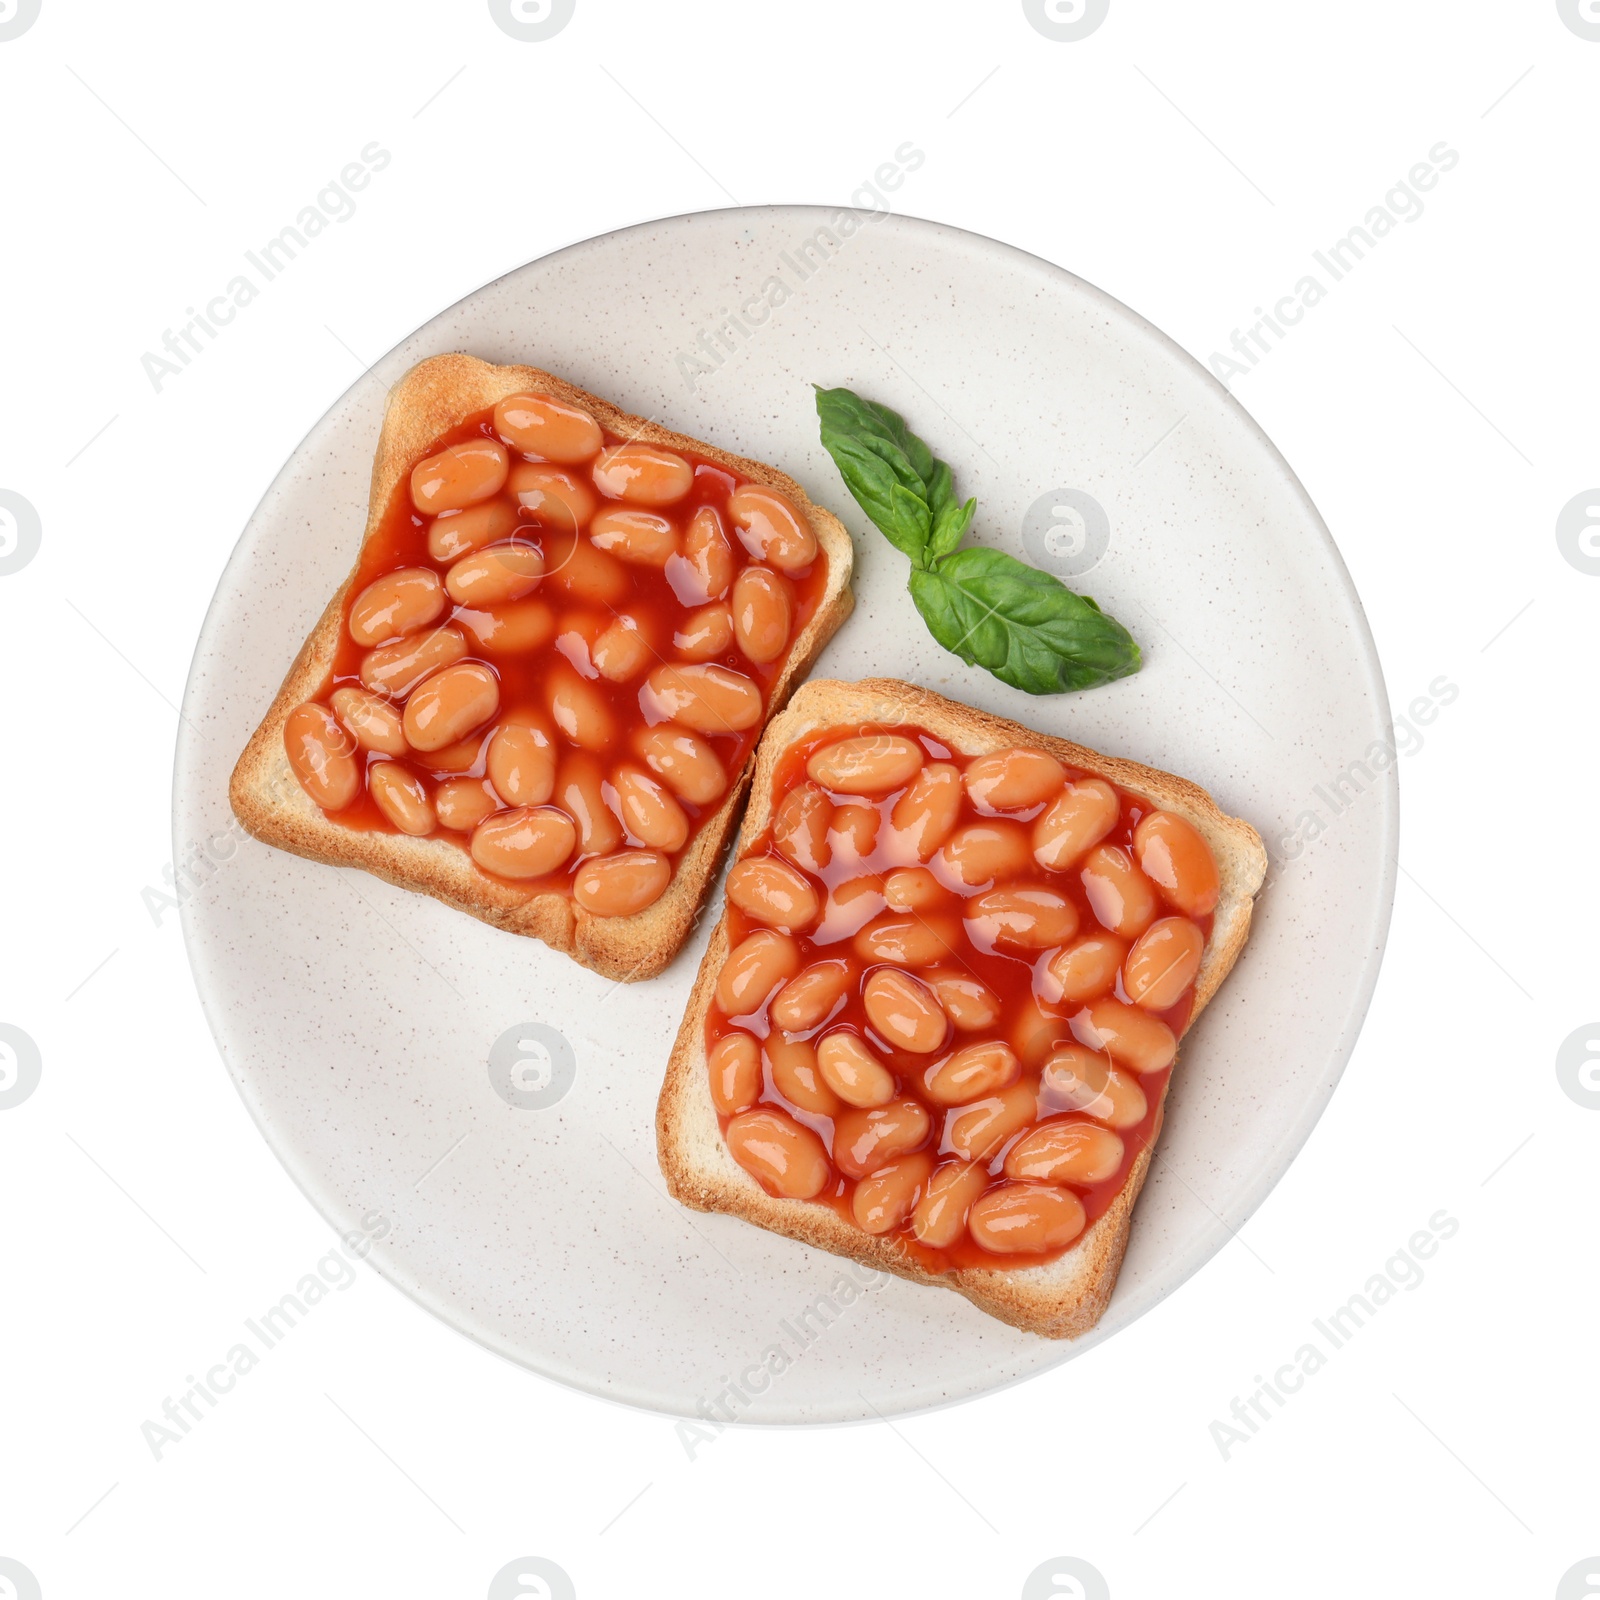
(1282, 1156)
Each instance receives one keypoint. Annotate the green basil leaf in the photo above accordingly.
(992, 610)
(883, 464)
(1024, 626)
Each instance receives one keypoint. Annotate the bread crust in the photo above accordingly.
(1065, 1297)
(434, 396)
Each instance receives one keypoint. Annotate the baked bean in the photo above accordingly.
(904, 1011)
(1131, 1037)
(754, 972)
(704, 634)
(914, 889)
(1067, 1150)
(1022, 918)
(705, 568)
(884, 1200)
(321, 755)
(807, 1000)
(576, 633)
(785, 1158)
(796, 1077)
(493, 576)
(853, 831)
(526, 842)
(552, 496)
(623, 650)
(1075, 823)
(641, 538)
(771, 891)
(643, 473)
(580, 792)
(396, 669)
(800, 829)
(1173, 855)
(976, 1132)
(459, 533)
(969, 1003)
(649, 813)
(399, 795)
(981, 853)
(707, 698)
(926, 814)
(849, 907)
(462, 756)
(1025, 1219)
(449, 705)
(509, 630)
(683, 761)
(396, 604)
(864, 1140)
(621, 884)
(771, 529)
(1122, 898)
(941, 1215)
(547, 429)
(735, 1065)
(1163, 963)
(1075, 1079)
(851, 1070)
(1083, 970)
(909, 939)
(581, 712)
(522, 762)
(462, 803)
(870, 764)
(762, 613)
(459, 475)
(1035, 1032)
(575, 569)
(370, 720)
(974, 1072)
(1013, 780)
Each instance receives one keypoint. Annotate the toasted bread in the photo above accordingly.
(1065, 1297)
(434, 396)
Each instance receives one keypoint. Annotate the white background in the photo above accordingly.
(1437, 408)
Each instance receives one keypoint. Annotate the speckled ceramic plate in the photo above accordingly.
(494, 1101)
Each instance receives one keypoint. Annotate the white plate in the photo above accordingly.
(357, 1020)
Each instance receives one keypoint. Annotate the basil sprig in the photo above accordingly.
(988, 608)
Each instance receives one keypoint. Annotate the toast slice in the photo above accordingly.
(435, 396)
(1064, 1297)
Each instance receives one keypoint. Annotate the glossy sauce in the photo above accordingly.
(1013, 976)
(646, 592)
